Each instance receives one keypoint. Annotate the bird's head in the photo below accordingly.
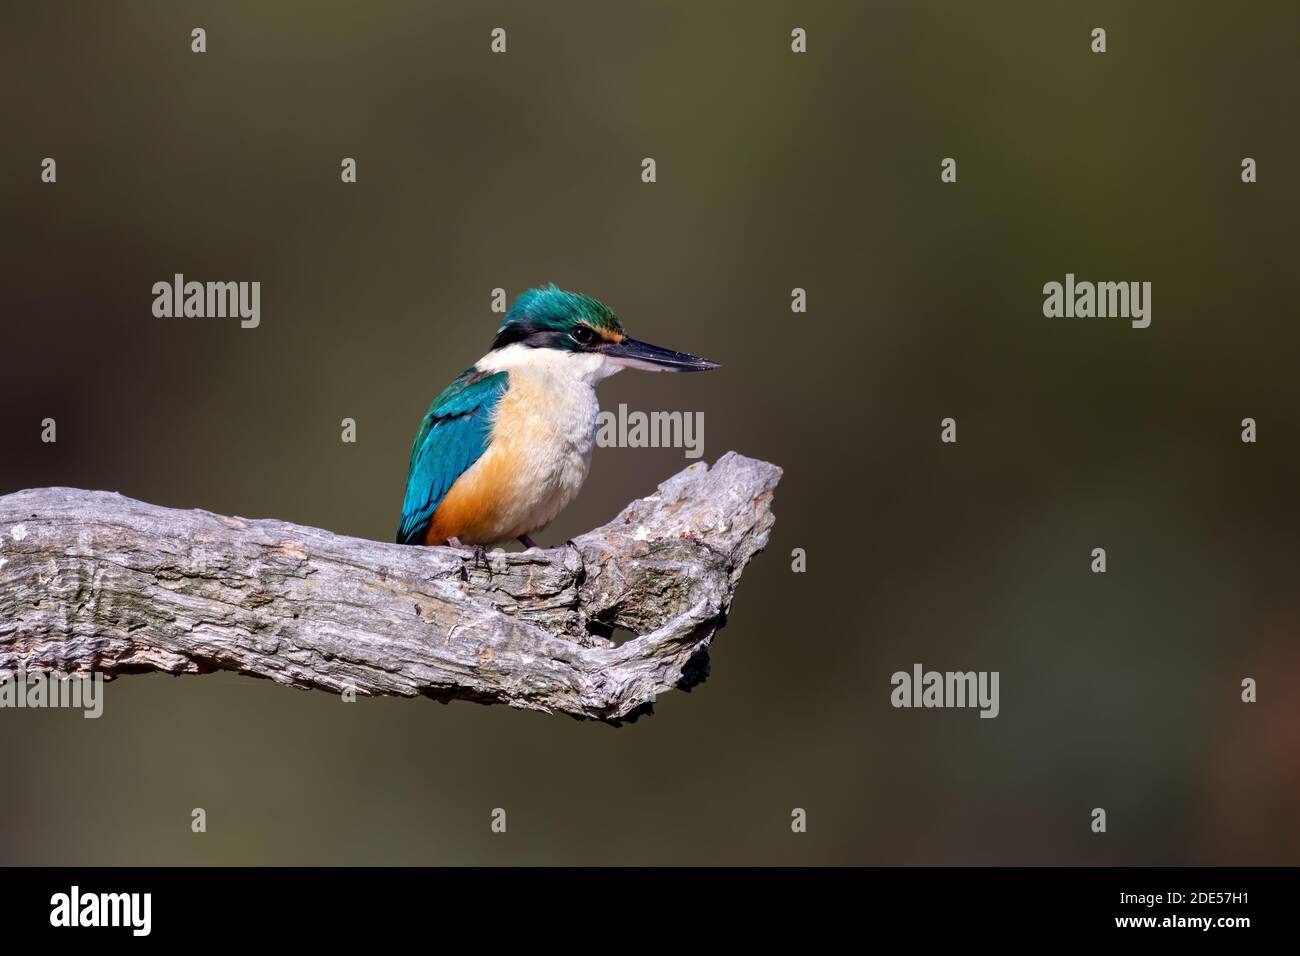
(576, 325)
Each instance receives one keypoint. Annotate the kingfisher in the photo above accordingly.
(505, 447)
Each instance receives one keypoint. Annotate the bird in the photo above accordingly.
(507, 446)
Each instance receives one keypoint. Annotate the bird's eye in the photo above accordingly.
(583, 335)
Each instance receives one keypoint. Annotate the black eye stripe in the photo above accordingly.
(530, 335)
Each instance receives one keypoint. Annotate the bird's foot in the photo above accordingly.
(528, 542)
(479, 552)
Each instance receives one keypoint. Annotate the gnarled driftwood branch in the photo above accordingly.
(91, 581)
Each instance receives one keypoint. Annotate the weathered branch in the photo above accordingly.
(91, 581)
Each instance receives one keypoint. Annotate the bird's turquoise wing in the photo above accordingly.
(454, 434)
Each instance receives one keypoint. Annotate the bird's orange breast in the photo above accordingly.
(473, 509)
(529, 472)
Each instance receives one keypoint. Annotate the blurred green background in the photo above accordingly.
(775, 170)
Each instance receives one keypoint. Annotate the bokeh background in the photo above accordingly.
(775, 170)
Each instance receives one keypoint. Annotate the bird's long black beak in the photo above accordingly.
(652, 358)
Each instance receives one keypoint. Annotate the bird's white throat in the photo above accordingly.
(585, 367)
